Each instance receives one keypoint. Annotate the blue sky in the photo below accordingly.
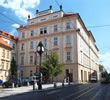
(92, 12)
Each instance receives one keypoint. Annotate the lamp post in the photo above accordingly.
(40, 50)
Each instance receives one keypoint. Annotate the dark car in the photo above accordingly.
(27, 81)
(17, 82)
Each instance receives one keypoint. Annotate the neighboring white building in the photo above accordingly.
(5, 60)
(67, 35)
(12, 41)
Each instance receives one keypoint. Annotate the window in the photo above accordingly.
(13, 57)
(31, 45)
(32, 32)
(22, 46)
(23, 35)
(68, 56)
(7, 66)
(43, 30)
(67, 25)
(68, 39)
(21, 73)
(7, 54)
(55, 28)
(31, 59)
(45, 42)
(30, 72)
(55, 41)
(13, 46)
(3, 53)
(22, 60)
(81, 55)
(2, 65)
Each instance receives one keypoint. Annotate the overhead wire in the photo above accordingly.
(106, 25)
(10, 18)
(98, 26)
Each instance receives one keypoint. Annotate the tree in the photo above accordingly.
(101, 68)
(51, 66)
(13, 68)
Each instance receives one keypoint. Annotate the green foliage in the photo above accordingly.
(51, 66)
(13, 68)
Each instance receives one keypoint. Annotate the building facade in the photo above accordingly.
(67, 35)
(12, 41)
(5, 59)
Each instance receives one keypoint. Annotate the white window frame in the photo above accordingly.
(22, 60)
(22, 46)
(31, 59)
(31, 72)
(31, 44)
(68, 55)
(23, 34)
(43, 30)
(45, 42)
(68, 39)
(68, 25)
(32, 32)
(55, 41)
(55, 28)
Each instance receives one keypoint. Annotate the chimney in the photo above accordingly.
(37, 11)
(60, 7)
(50, 7)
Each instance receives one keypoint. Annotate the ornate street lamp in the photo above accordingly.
(40, 50)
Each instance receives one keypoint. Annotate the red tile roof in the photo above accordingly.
(8, 35)
(4, 43)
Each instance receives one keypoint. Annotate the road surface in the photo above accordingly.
(91, 91)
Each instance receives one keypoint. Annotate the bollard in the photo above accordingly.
(63, 83)
(34, 85)
(68, 82)
(17, 85)
(28, 84)
(13, 85)
(55, 85)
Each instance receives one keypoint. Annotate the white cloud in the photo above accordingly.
(105, 60)
(15, 25)
(20, 7)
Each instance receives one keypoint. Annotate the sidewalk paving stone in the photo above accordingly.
(20, 90)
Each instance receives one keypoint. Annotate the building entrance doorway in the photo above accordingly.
(81, 75)
(70, 75)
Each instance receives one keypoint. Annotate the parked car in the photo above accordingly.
(25, 81)
(9, 83)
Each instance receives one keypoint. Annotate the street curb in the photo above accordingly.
(47, 89)
(52, 88)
